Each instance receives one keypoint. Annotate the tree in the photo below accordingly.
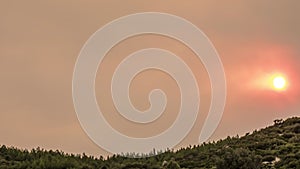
(238, 159)
(172, 164)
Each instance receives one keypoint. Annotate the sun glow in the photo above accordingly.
(279, 83)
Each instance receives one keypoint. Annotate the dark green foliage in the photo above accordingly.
(269, 158)
(238, 159)
(277, 146)
(172, 164)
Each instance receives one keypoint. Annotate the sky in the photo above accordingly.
(41, 40)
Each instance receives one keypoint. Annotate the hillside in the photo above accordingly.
(276, 146)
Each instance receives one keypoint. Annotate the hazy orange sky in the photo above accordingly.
(40, 42)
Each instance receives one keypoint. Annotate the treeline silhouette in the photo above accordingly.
(277, 146)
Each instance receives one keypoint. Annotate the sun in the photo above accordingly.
(279, 83)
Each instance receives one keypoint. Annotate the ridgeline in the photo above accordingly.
(276, 146)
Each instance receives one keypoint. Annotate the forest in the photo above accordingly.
(276, 146)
